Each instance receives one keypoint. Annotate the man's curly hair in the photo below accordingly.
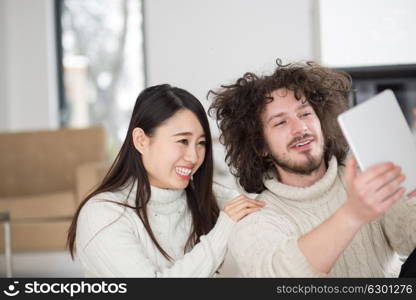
(238, 108)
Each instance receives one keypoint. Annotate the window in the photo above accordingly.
(100, 45)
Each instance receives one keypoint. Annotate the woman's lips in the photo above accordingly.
(184, 176)
(183, 172)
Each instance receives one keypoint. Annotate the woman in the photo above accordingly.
(155, 213)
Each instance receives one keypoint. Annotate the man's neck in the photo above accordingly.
(300, 180)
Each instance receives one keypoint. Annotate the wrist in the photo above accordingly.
(350, 218)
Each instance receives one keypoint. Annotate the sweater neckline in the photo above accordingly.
(166, 201)
(162, 201)
(303, 195)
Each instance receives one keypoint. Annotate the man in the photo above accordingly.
(323, 217)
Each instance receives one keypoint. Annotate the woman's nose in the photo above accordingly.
(191, 155)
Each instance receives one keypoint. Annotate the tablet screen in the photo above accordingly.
(377, 132)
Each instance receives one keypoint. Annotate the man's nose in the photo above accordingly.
(298, 127)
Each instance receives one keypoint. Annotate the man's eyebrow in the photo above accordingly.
(302, 106)
(275, 116)
(187, 133)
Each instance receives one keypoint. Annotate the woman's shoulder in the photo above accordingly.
(102, 210)
(106, 205)
(101, 199)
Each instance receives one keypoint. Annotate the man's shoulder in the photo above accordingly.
(269, 197)
(263, 195)
(264, 226)
(267, 216)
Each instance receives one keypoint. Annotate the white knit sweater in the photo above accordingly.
(264, 244)
(111, 241)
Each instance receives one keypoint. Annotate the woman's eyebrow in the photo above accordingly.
(183, 133)
(187, 133)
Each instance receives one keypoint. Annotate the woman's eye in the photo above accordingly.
(202, 143)
(306, 114)
(184, 141)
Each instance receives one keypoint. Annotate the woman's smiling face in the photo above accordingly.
(174, 152)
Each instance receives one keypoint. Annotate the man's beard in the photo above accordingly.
(306, 168)
(312, 164)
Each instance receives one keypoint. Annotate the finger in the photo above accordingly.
(241, 206)
(243, 199)
(383, 179)
(369, 174)
(239, 197)
(234, 202)
(242, 213)
(385, 205)
(389, 189)
(351, 169)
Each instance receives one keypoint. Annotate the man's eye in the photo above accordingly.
(280, 123)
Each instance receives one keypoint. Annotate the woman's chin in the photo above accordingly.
(179, 184)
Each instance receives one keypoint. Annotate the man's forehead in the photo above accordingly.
(284, 104)
(286, 93)
(280, 93)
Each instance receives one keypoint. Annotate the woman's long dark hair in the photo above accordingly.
(153, 106)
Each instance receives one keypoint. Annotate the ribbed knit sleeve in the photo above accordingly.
(399, 225)
(112, 243)
(264, 244)
(223, 194)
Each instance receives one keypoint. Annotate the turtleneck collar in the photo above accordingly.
(305, 194)
(162, 201)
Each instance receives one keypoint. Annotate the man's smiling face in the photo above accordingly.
(293, 133)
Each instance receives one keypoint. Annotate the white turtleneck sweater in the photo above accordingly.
(111, 240)
(265, 243)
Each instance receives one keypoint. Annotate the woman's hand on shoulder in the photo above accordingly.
(242, 206)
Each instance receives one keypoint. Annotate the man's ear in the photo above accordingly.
(140, 139)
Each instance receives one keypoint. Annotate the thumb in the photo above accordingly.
(351, 169)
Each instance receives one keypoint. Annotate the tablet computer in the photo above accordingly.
(377, 132)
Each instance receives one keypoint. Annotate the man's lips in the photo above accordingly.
(302, 144)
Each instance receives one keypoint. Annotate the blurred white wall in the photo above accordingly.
(3, 106)
(370, 32)
(28, 97)
(199, 44)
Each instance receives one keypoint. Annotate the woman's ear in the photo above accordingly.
(140, 140)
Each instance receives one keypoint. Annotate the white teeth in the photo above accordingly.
(302, 144)
(183, 171)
